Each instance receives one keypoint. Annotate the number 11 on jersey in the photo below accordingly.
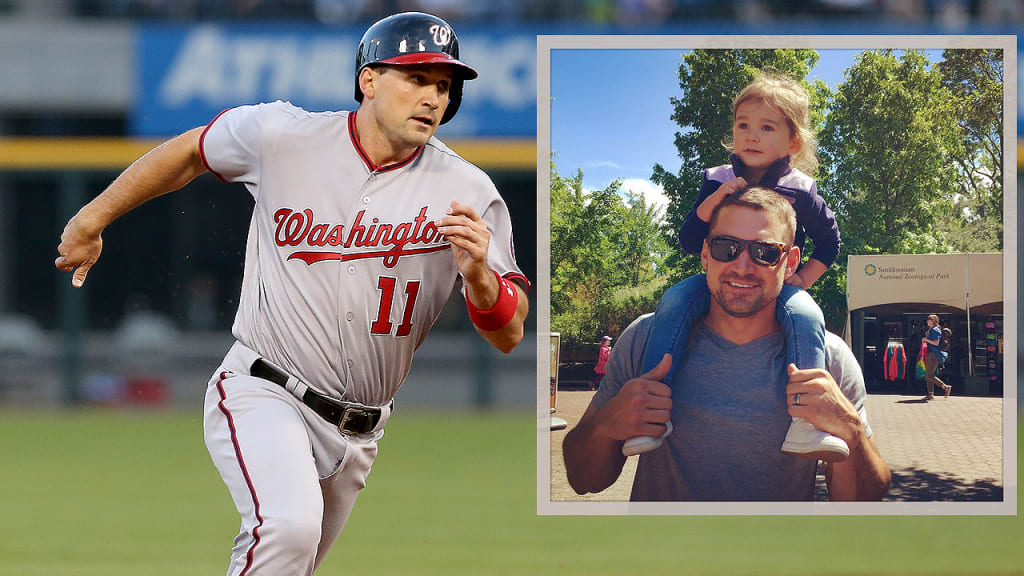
(386, 286)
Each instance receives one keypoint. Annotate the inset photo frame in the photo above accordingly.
(898, 157)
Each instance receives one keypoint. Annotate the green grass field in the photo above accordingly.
(117, 493)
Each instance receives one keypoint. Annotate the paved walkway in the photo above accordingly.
(942, 450)
(945, 449)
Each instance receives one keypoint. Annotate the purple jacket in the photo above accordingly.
(813, 217)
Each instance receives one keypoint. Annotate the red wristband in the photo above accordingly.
(501, 313)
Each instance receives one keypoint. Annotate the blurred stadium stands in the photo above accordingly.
(621, 12)
(84, 92)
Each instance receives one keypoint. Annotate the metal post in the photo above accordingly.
(967, 304)
(483, 396)
(6, 247)
(72, 300)
(856, 319)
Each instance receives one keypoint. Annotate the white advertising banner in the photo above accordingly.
(949, 279)
(985, 278)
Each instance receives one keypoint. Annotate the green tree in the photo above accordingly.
(708, 81)
(641, 275)
(974, 79)
(886, 140)
(606, 258)
(582, 238)
(642, 246)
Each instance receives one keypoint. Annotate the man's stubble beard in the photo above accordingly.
(738, 308)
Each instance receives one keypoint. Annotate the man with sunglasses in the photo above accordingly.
(733, 394)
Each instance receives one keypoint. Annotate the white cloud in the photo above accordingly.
(653, 193)
(603, 164)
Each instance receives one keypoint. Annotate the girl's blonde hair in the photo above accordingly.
(788, 97)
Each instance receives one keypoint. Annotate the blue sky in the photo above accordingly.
(611, 115)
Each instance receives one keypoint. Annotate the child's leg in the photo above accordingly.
(679, 309)
(931, 364)
(682, 305)
(804, 328)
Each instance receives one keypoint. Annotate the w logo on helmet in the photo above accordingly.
(412, 38)
(442, 34)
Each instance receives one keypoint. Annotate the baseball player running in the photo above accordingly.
(363, 223)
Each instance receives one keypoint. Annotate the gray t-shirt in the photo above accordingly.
(729, 418)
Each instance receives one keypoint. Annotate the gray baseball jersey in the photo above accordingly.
(344, 274)
(345, 271)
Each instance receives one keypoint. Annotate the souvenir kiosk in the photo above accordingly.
(889, 297)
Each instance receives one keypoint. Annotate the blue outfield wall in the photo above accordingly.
(186, 74)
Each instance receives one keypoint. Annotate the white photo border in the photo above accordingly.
(545, 44)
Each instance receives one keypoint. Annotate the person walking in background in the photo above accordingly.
(920, 373)
(935, 356)
(602, 358)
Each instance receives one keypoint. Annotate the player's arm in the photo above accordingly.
(593, 449)
(498, 306)
(510, 335)
(164, 169)
(863, 475)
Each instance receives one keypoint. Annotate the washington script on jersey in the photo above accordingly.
(295, 227)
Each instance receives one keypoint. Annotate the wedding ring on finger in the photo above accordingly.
(796, 399)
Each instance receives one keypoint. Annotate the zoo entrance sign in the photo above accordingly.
(902, 278)
(903, 273)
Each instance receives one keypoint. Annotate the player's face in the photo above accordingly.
(743, 288)
(761, 135)
(409, 101)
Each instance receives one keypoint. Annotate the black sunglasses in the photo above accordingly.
(763, 252)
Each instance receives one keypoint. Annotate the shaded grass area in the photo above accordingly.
(111, 493)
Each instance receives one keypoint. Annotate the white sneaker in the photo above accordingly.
(641, 444)
(803, 439)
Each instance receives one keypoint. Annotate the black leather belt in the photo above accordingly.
(349, 417)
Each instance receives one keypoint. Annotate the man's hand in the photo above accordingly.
(167, 167)
(862, 476)
(823, 404)
(470, 240)
(708, 205)
(641, 408)
(593, 449)
(80, 248)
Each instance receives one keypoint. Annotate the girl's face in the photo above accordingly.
(761, 135)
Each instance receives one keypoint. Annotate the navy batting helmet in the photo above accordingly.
(414, 38)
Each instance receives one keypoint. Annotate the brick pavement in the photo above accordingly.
(942, 450)
(570, 406)
(945, 449)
